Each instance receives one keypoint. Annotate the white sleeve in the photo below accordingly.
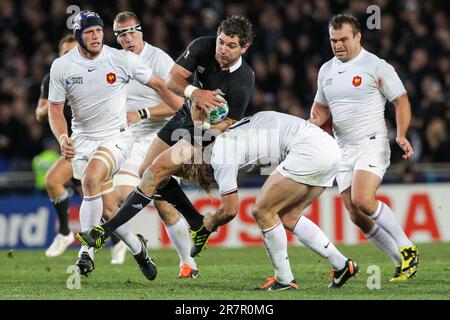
(320, 96)
(389, 82)
(164, 65)
(226, 178)
(57, 90)
(137, 68)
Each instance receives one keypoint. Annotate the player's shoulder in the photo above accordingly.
(371, 58)
(245, 73)
(327, 66)
(70, 56)
(203, 42)
(155, 52)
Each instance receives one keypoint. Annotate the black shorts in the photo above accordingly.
(181, 126)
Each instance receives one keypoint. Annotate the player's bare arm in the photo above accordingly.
(159, 111)
(403, 119)
(42, 110)
(226, 213)
(319, 114)
(177, 82)
(58, 125)
(173, 101)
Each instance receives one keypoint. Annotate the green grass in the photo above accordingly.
(224, 274)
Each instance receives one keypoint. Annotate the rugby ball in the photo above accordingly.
(217, 115)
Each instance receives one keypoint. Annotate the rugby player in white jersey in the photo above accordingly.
(352, 90)
(306, 160)
(145, 123)
(93, 78)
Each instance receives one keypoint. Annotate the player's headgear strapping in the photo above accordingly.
(84, 20)
(136, 28)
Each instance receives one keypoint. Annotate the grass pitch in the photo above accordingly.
(224, 274)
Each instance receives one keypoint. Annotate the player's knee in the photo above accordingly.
(362, 202)
(259, 212)
(90, 182)
(51, 183)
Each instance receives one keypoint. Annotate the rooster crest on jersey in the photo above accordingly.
(217, 115)
(84, 20)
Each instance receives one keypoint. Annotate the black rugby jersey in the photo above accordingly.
(236, 84)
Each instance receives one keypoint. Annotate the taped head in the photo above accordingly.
(84, 20)
(136, 28)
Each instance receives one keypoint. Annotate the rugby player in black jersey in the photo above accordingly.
(216, 66)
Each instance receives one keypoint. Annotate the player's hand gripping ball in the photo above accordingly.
(217, 115)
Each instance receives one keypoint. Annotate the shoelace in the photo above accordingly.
(270, 281)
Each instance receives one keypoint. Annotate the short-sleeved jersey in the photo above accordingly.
(44, 95)
(356, 93)
(140, 96)
(236, 83)
(96, 89)
(260, 140)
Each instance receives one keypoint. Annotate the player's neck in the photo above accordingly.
(357, 52)
(229, 65)
(88, 55)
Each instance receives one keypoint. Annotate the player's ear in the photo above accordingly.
(244, 48)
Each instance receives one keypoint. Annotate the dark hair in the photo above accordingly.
(126, 16)
(237, 26)
(67, 38)
(337, 21)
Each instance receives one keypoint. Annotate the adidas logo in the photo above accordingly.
(137, 206)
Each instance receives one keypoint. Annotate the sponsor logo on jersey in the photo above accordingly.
(356, 81)
(74, 80)
(111, 78)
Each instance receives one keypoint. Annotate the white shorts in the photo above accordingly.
(312, 159)
(119, 145)
(132, 164)
(371, 154)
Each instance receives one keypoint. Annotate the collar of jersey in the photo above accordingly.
(90, 60)
(236, 66)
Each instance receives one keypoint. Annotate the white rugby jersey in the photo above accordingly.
(356, 93)
(96, 89)
(140, 96)
(260, 140)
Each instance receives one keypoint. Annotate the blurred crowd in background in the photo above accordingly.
(291, 43)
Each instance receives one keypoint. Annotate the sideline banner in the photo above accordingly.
(423, 210)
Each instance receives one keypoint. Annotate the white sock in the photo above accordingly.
(181, 239)
(90, 214)
(308, 233)
(384, 217)
(129, 238)
(378, 236)
(275, 242)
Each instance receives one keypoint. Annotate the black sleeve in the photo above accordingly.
(190, 57)
(44, 86)
(239, 95)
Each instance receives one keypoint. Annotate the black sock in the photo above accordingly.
(62, 210)
(172, 193)
(135, 202)
(114, 239)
